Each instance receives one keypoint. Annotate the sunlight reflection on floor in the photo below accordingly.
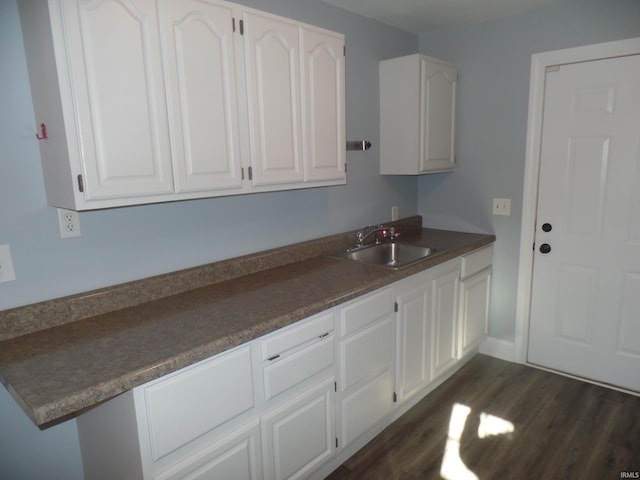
(453, 468)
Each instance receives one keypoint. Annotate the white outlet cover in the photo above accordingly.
(69, 223)
(7, 272)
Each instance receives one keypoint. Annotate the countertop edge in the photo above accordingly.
(50, 412)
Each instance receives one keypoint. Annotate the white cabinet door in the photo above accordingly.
(324, 108)
(366, 381)
(299, 435)
(438, 103)
(445, 316)
(234, 457)
(117, 120)
(272, 63)
(201, 81)
(474, 310)
(417, 115)
(414, 336)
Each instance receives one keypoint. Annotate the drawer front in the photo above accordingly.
(476, 261)
(298, 335)
(287, 372)
(196, 400)
(362, 312)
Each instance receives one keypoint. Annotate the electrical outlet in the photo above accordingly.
(7, 273)
(69, 223)
(502, 206)
(394, 213)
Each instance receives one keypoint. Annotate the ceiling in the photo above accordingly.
(421, 16)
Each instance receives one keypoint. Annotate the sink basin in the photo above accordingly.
(394, 255)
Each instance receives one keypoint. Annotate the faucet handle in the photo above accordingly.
(389, 232)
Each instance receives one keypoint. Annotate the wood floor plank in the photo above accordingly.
(563, 429)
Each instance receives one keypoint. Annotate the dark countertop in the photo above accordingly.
(59, 371)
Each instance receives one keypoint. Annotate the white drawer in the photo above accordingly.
(362, 312)
(297, 335)
(196, 400)
(286, 372)
(476, 261)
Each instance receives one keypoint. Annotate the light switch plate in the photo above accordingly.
(7, 273)
(502, 206)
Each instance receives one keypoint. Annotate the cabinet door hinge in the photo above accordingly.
(395, 306)
(241, 27)
(336, 442)
(344, 51)
(335, 386)
(242, 173)
(80, 184)
(395, 397)
(250, 173)
(345, 167)
(233, 24)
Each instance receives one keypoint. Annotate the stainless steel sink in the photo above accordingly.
(394, 255)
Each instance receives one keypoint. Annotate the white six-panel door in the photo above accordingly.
(585, 309)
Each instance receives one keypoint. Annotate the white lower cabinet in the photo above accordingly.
(299, 434)
(427, 306)
(366, 364)
(475, 288)
(297, 402)
(177, 424)
(234, 457)
(445, 285)
(414, 338)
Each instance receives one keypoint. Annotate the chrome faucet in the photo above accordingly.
(379, 231)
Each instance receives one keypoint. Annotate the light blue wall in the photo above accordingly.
(494, 63)
(129, 243)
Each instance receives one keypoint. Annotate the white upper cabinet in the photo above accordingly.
(295, 96)
(189, 99)
(203, 100)
(323, 110)
(101, 96)
(272, 53)
(417, 115)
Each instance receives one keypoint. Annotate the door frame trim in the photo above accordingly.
(539, 63)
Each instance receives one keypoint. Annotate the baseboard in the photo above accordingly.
(499, 348)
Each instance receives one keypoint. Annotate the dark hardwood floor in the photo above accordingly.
(562, 429)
